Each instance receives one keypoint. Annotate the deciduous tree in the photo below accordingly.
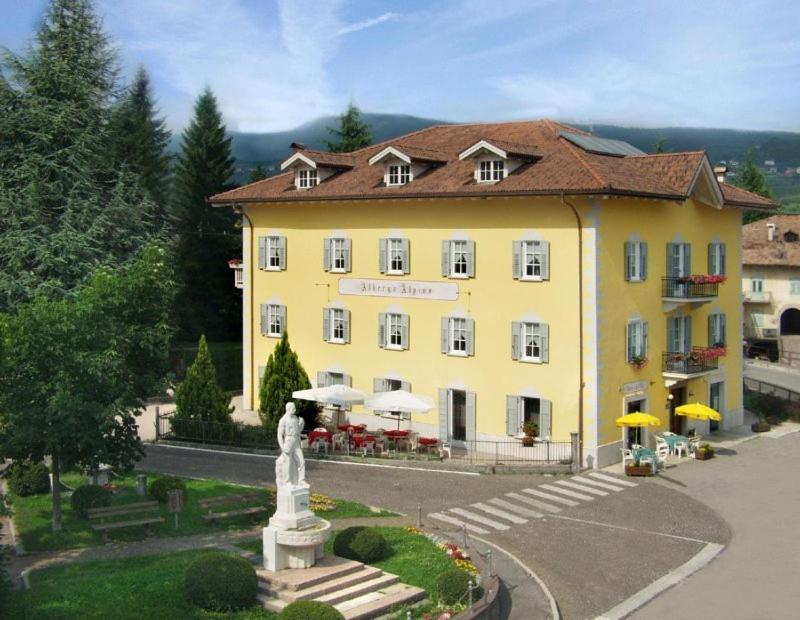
(749, 177)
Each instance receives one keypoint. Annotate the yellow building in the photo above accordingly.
(515, 271)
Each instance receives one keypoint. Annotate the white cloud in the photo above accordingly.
(367, 23)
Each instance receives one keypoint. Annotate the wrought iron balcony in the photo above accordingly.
(690, 288)
(697, 361)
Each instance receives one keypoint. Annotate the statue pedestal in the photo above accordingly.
(292, 510)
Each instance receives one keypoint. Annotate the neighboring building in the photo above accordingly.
(514, 271)
(771, 283)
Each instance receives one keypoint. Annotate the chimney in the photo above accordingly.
(770, 231)
(720, 172)
(298, 146)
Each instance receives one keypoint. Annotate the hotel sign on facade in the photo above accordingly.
(408, 289)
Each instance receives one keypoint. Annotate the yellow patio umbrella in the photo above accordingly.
(696, 411)
(638, 419)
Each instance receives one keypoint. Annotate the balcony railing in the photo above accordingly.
(697, 361)
(689, 287)
(758, 297)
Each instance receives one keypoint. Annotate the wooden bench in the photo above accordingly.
(148, 514)
(220, 502)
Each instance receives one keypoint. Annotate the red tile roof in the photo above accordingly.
(563, 167)
(759, 250)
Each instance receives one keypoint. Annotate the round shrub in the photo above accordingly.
(218, 581)
(341, 544)
(89, 496)
(451, 587)
(369, 545)
(310, 610)
(28, 478)
(160, 486)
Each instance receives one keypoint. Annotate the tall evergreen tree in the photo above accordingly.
(207, 302)
(199, 396)
(139, 139)
(353, 133)
(257, 174)
(749, 177)
(661, 145)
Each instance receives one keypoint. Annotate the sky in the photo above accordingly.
(275, 64)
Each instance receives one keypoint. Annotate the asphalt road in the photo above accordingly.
(592, 555)
(776, 375)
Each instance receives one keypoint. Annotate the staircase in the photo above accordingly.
(358, 591)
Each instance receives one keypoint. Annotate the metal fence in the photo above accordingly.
(171, 428)
(693, 362)
(684, 288)
(508, 452)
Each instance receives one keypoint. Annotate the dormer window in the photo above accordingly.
(491, 170)
(399, 174)
(306, 178)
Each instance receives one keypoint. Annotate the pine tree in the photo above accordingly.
(661, 145)
(199, 396)
(283, 375)
(207, 237)
(139, 139)
(749, 177)
(257, 174)
(353, 133)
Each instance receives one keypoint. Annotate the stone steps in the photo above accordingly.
(395, 596)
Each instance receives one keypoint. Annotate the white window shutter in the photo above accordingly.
(326, 254)
(282, 316)
(445, 258)
(645, 330)
(471, 259)
(512, 415)
(445, 334)
(347, 380)
(629, 340)
(382, 330)
(545, 245)
(687, 259)
(346, 325)
(404, 245)
(471, 418)
(405, 385)
(444, 406)
(712, 336)
(712, 259)
(322, 379)
(282, 252)
(643, 260)
(628, 260)
(545, 418)
(262, 252)
(348, 254)
(261, 371)
(404, 330)
(378, 384)
(516, 259)
(722, 328)
(264, 326)
(326, 324)
(722, 259)
(544, 331)
(470, 336)
(383, 255)
(516, 340)
(687, 331)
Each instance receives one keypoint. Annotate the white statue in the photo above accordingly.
(290, 468)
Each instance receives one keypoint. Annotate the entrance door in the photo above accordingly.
(715, 402)
(635, 434)
(676, 422)
(458, 415)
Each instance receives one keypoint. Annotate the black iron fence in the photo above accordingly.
(695, 361)
(168, 427)
(508, 452)
(686, 288)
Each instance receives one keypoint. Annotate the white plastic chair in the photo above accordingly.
(681, 448)
(320, 444)
(662, 452)
(368, 447)
(627, 455)
(445, 448)
(694, 443)
(339, 441)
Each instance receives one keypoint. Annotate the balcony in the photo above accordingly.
(238, 272)
(758, 297)
(695, 290)
(697, 362)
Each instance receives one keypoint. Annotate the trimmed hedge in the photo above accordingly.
(310, 610)
(89, 496)
(218, 581)
(451, 586)
(28, 478)
(160, 486)
(363, 544)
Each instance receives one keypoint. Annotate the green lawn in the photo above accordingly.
(33, 515)
(143, 587)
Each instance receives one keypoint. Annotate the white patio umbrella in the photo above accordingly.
(398, 402)
(333, 397)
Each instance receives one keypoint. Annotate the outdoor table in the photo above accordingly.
(638, 453)
(675, 439)
(429, 443)
(314, 435)
(396, 434)
(358, 440)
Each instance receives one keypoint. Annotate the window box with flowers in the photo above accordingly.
(638, 361)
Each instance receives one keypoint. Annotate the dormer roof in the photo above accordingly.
(315, 159)
(409, 154)
(502, 149)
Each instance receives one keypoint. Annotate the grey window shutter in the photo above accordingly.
(322, 379)
(444, 406)
(381, 329)
(544, 330)
(261, 371)
(445, 335)
(282, 252)
(405, 385)
(378, 384)
(326, 324)
(545, 245)
(687, 259)
(262, 252)
(545, 418)
(722, 329)
(404, 245)
(348, 254)
(346, 325)
(471, 259)
(643, 259)
(471, 421)
(326, 254)
(516, 259)
(512, 415)
(516, 340)
(629, 340)
(628, 260)
(282, 315)
(711, 324)
(645, 329)
(383, 260)
(404, 331)
(712, 263)
(672, 334)
(687, 333)
(722, 252)
(445, 258)
(470, 336)
(672, 249)
(347, 380)
(263, 319)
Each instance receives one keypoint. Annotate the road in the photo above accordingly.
(776, 375)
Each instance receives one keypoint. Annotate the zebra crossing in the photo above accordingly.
(499, 514)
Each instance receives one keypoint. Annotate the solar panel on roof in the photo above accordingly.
(603, 146)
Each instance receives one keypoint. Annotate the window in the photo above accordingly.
(716, 330)
(337, 254)
(399, 174)
(491, 170)
(457, 419)
(757, 285)
(794, 286)
(635, 261)
(458, 259)
(393, 331)
(637, 341)
(716, 259)
(531, 260)
(273, 320)
(458, 336)
(272, 253)
(679, 260)
(521, 409)
(325, 378)
(306, 178)
(336, 325)
(529, 342)
(383, 384)
(396, 256)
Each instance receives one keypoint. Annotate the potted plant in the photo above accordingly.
(631, 469)
(760, 426)
(530, 430)
(638, 361)
(704, 452)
